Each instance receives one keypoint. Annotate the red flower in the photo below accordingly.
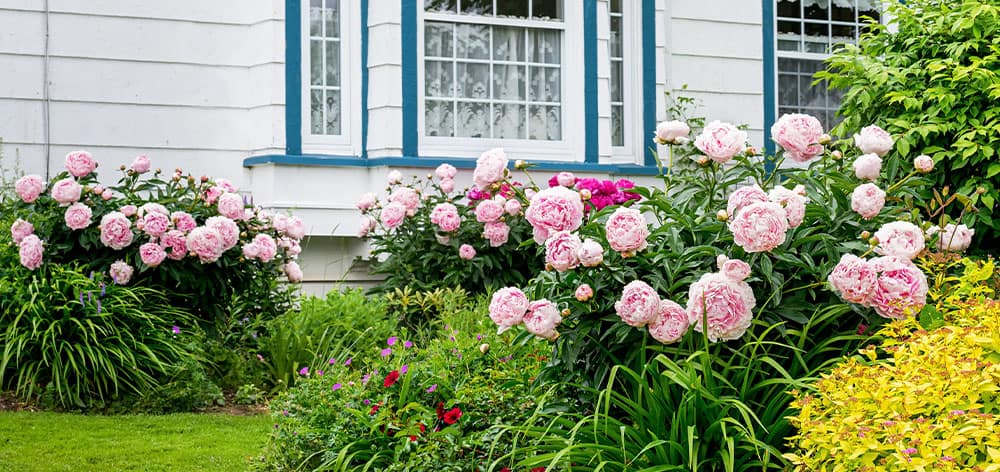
(505, 469)
(391, 379)
(538, 469)
(440, 410)
(375, 408)
(422, 429)
(452, 415)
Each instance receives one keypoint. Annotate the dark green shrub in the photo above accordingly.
(417, 310)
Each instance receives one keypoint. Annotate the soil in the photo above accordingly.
(9, 402)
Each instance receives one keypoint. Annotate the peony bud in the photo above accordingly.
(923, 163)
(520, 164)
(873, 241)
(751, 151)
(865, 235)
(585, 194)
(703, 161)
(825, 139)
(121, 167)
(722, 215)
(204, 178)
(565, 312)
(837, 155)
(484, 348)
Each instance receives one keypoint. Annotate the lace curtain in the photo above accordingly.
(324, 67)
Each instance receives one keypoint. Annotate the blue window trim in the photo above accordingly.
(591, 149)
(293, 77)
(408, 34)
(434, 161)
(767, 24)
(364, 79)
(648, 26)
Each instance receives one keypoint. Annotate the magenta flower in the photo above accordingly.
(432, 388)
(348, 361)
(176, 329)
(386, 351)
(304, 371)
(333, 361)
(405, 368)
(336, 387)
(392, 340)
(407, 344)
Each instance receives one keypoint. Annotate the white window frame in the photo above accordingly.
(572, 145)
(348, 142)
(632, 151)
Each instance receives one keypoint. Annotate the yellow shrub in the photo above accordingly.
(932, 404)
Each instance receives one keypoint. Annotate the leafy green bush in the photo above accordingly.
(930, 76)
(418, 310)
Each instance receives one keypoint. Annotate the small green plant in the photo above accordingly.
(249, 394)
(417, 310)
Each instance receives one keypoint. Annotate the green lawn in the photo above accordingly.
(183, 442)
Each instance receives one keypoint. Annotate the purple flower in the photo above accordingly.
(304, 371)
(284, 412)
(333, 361)
(98, 306)
(386, 351)
(910, 450)
(104, 289)
(432, 388)
(364, 380)
(81, 298)
(176, 329)
(367, 401)
(89, 297)
(407, 344)
(319, 372)
(336, 387)
(402, 370)
(348, 361)
(479, 337)
(392, 340)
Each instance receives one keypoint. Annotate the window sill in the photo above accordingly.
(432, 162)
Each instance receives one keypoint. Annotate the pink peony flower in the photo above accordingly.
(721, 141)
(155, 224)
(366, 226)
(213, 193)
(853, 279)
(554, 209)
(626, 230)
(446, 171)
(466, 252)
(266, 247)
(512, 207)
(799, 136)
(30, 249)
(489, 210)
(733, 268)
(923, 163)
(206, 243)
(759, 227)
(490, 168)
(121, 272)
(671, 324)
(561, 251)
(442, 239)
(793, 202)
(106, 194)
(80, 163)
(393, 215)
(291, 246)
(900, 290)
(367, 201)
(280, 223)
(867, 200)
(542, 318)
(152, 207)
(66, 191)
(250, 250)
(566, 179)
(226, 228)
(671, 132)
(725, 303)
(584, 293)
(407, 197)
(20, 230)
(225, 185)
(77, 216)
(744, 196)
(867, 166)
(497, 233)
(900, 239)
(952, 238)
(116, 230)
(29, 188)
(183, 221)
(507, 307)
(447, 185)
(230, 205)
(141, 164)
(639, 304)
(446, 217)
(591, 254)
(296, 228)
(394, 177)
(293, 271)
(152, 254)
(174, 242)
(873, 139)
(129, 210)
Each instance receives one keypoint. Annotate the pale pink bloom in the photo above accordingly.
(512, 207)
(129, 210)
(366, 226)
(497, 233)
(900, 290)
(489, 210)
(155, 224)
(77, 216)
(923, 163)
(561, 251)
(446, 171)
(80, 163)
(566, 179)
(627, 230)
(744, 196)
(554, 209)
(671, 324)
(293, 271)
(867, 200)
(20, 230)
(799, 136)
(226, 228)
(953, 238)
(639, 304)
(296, 229)
(466, 252)
(394, 177)
(442, 239)
(280, 223)
(66, 191)
(732, 268)
(367, 201)
(266, 247)
(213, 193)
(29, 187)
(175, 243)
(759, 227)
(542, 318)
(392, 215)
(725, 303)
(900, 239)
(591, 253)
(250, 250)
(447, 185)
(721, 141)
(141, 164)
(793, 202)
(152, 254)
(292, 248)
(225, 185)
(490, 168)
(446, 217)
(231, 205)
(183, 221)
(671, 132)
(867, 166)
(30, 250)
(507, 307)
(853, 278)
(152, 207)
(529, 193)
(116, 230)
(121, 272)
(106, 194)
(873, 139)
(407, 197)
(206, 243)
(247, 215)
(584, 293)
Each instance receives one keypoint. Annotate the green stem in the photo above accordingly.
(902, 181)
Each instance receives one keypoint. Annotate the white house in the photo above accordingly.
(308, 103)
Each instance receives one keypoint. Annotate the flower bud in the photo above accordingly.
(825, 138)
(873, 241)
(585, 194)
(204, 178)
(565, 312)
(484, 348)
(837, 155)
(703, 161)
(865, 235)
(121, 167)
(981, 190)
(520, 164)
(722, 215)
(751, 151)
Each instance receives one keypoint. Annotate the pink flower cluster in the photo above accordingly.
(799, 135)
(626, 230)
(29, 188)
(873, 140)
(602, 193)
(671, 132)
(721, 303)
(641, 306)
(953, 238)
(490, 168)
(446, 217)
(510, 307)
(721, 141)
(552, 210)
(759, 221)
(80, 163)
(893, 286)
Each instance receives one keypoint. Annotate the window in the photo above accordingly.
(617, 56)
(807, 31)
(325, 109)
(330, 59)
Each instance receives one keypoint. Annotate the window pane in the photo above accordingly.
(332, 112)
(789, 35)
(789, 9)
(439, 80)
(439, 118)
(543, 46)
(508, 82)
(473, 80)
(473, 41)
(333, 63)
(439, 39)
(616, 36)
(617, 126)
(325, 105)
(441, 5)
(315, 18)
(508, 121)
(478, 7)
(817, 37)
(331, 17)
(316, 62)
(616, 6)
(508, 44)
(842, 11)
(545, 123)
(545, 84)
(547, 9)
(512, 8)
(473, 120)
(842, 34)
(316, 111)
(788, 89)
(616, 81)
(817, 9)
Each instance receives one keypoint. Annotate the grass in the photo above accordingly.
(182, 442)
